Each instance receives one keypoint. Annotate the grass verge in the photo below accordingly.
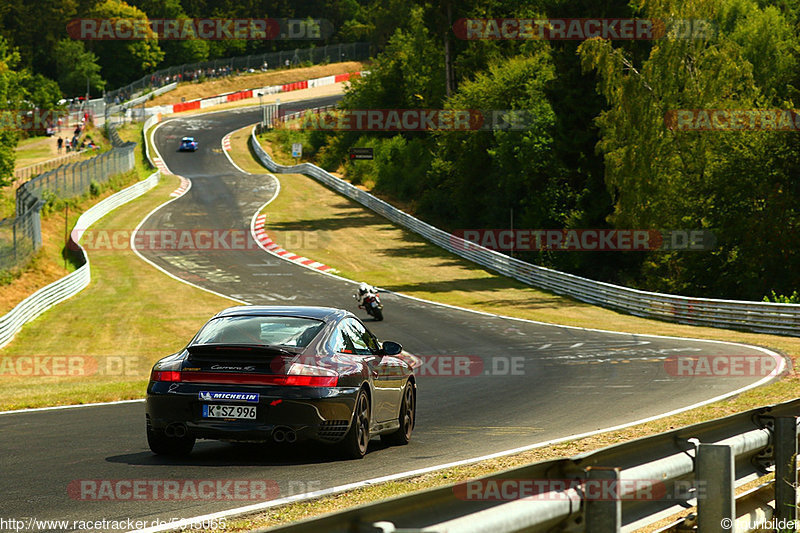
(38, 149)
(313, 221)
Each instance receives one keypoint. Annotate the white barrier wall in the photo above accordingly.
(71, 284)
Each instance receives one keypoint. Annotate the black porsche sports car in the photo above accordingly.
(282, 374)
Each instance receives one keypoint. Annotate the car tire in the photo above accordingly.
(408, 417)
(160, 444)
(355, 442)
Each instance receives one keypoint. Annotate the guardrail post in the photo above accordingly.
(602, 514)
(785, 438)
(714, 474)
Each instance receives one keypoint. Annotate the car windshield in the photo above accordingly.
(188, 139)
(261, 330)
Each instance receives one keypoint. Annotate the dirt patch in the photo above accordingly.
(191, 91)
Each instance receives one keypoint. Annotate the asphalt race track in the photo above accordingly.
(567, 381)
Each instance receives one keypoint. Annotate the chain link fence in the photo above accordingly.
(21, 236)
(38, 168)
(214, 68)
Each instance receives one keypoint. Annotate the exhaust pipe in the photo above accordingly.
(175, 430)
(284, 434)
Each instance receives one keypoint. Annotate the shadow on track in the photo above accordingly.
(223, 454)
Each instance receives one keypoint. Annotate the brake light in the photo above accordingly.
(311, 376)
(165, 375)
(239, 378)
(312, 381)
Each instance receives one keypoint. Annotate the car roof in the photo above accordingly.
(187, 139)
(318, 313)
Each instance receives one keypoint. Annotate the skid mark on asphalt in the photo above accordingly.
(270, 297)
(200, 267)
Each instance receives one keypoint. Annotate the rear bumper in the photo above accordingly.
(312, 413)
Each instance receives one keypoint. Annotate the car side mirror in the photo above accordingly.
(392, 348)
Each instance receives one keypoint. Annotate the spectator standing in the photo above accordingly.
(60, 144)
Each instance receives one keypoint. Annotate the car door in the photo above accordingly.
(387, 380)
(345, 340)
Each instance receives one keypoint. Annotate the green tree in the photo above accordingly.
(742, 185)
(42, 92)
(408, 74)
(34, 28)
(123, 61)
(488, 173)
(75, 65)
(12, 96)
(180, 51)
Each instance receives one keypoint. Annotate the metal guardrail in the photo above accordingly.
(46, 297)
(151, 121)
(621, 487)
(762, 317)
(111, 109)
(300, 114)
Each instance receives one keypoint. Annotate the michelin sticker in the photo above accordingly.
(250, 397)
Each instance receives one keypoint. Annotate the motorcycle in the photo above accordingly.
(372, 305)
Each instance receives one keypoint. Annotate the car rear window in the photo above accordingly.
(262, 330)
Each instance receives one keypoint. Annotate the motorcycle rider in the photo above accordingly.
(363, 291)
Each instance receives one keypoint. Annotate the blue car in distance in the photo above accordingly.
(188, 144)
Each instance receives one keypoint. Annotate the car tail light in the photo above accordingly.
(298, 375)
(311, 376)
(165, 375)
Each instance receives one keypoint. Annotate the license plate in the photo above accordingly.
(229, 411)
